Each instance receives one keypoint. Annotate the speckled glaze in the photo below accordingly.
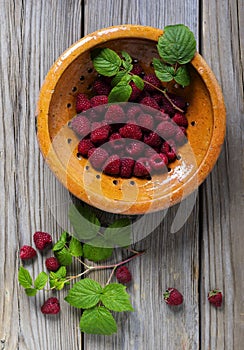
(73, 73)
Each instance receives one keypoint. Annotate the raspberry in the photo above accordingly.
(166, 130)
(149, 152)
(157, 97)
(52, 264)
(131, 131)
(164, 158)
(151, 79)
(180, 137)
(101, 87)
(126, 169)
(165, 147)
(99, 100)
(142, 168)
(98, 157)
(84, 146)
(135, 92)
(81, 125)
(157, 163)
(173, 297)
(134, 148)
(150, 102)
(215, 297)
(133, 112)
(100, 135)
(145, 121)
(115, 114)
(180, 119)
(137, 69)
(161, 116)
(112, 165)
(42, 240)
(82, 103)
(27, 252)
(171, 155)
(93, 115)
(177, 100)
(123, 274)
(51, 306)
(153, 140)
(116, 141)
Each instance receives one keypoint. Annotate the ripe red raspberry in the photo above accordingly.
(81, 125)
(112, 165)
(137, 69)
(84, 146)
(27, 252)
(100, 135)
(150, 102)
(173, 297)
(131, 131)
(98, 157)
(152, 80)
(157, 96)
(93, 115)
(135, 92)
(133, 111)
(180, 119)
(101, 87)
(51, 306)
(142, 167)
(171, 155)
(52, 264)
(99, 100)
(166, 130)
(164, 158)
(161, 116)
(157, 163)
(42, 240)
(116, 141)
(152, 139)
(215, 297)
(126, 169)
(165, 147)
(123, 274)
(82, 103)
(134, 148)
(145, 121)
(115, 114)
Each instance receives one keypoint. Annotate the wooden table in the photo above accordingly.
(207, 251)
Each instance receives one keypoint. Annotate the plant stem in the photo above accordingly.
(111, 275)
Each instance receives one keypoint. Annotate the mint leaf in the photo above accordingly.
(138, 81)
(120, 93)
(75, 247)
(107, 62)
(64, 256)
(182, 76)
(24, 278)
(98, 320)
(31, 292)
(118, 234)
(126, 56)
(122, 75)
(97, 253)
(163, 71)
(61, 242)
(115, 298)
(84, 294)
(127, 66)
(41, 280)
(177, 44)
(85, 223)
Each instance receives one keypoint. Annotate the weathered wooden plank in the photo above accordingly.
(223, 193)
(171, 259)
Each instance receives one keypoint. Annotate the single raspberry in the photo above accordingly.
(27, 252)
(93, 115)
(98, 157)
(180, 136)
(126, 169)
(42, 240)
(134, 148)
(51, 306)
(115, 114)
(166, 130)
(152, 80)
(215, 297)
(171, 155)
(116, 141)
(100, 135)
(157, 163)
(173, 297)
(180, 119)
(133, 112)
(52, 264)
(112, 165)
(123, 274)
(165, 147)
(145, 121)
(164, 158)
(161, 116)
(82, 103)
(84, 146)
(137, 69)
(99, 100)
(101, 87)
(135, 92)
(157, 96)
(150, 102)
(142, 168)
(152, 139)
(81, 125)
(131, 131)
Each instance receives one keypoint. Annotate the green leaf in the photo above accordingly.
(84, 294)
(98, 320)
(120, 93)
(64, 256)
(122, 75)
(118, 234)
(57, 279)
(107, 62)
(182, 76)
(127, 66)
(41, 280)
(97, 253)
(31, 292)
(24, 278)
(138, 81)
(85, 223)
(61, 272)
(163, 71)
(115, 298)
(75, 247)
(126, 56)
(177, 44)
(61, 242)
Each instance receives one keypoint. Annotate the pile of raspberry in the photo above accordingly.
(138, 138)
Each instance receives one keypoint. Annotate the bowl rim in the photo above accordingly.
(99, 37)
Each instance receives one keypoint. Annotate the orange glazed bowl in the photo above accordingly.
(73, 73)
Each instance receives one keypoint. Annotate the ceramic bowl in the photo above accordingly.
(73, 72)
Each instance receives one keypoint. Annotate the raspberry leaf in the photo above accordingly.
(97, 250)
(138, 81)
(98, 320)
(31, 292)
(182, 76)
(115, 298)
(57, 279)
(85, 223)
(24, 278)
(64, 256)
(84, 294)
(75, 247)
(41, 280)
(107, 62)
(177, 44)
(120, 93)
(118, 234)
(61, 242)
